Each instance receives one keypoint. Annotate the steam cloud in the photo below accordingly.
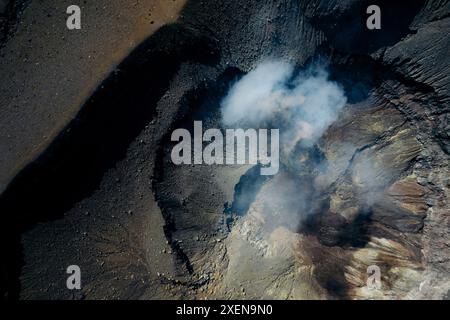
(301, 105)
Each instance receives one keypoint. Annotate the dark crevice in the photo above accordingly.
(246, 190)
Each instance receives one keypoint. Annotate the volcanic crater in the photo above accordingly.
(372, 190)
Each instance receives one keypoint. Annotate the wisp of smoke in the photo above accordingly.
(301, 105)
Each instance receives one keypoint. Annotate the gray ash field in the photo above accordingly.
(86, 176)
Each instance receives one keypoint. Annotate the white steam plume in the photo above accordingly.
(302, 106)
